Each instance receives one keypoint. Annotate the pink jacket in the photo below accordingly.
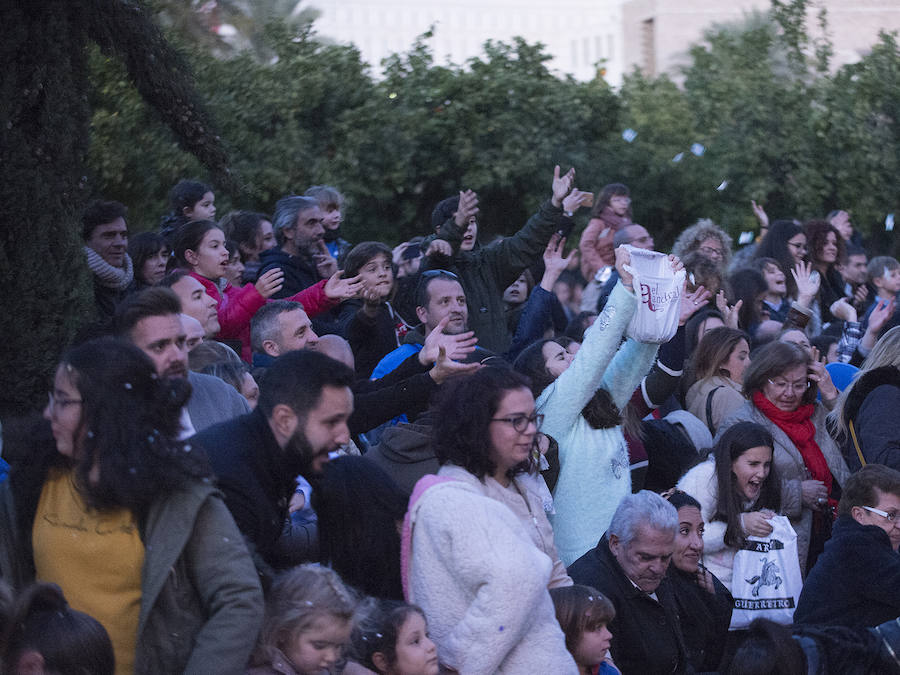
(238, 305)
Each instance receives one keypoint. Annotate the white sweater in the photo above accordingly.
(482, 583)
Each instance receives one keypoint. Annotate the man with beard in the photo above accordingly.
(301, 252)
(151, 320)
(301, 418)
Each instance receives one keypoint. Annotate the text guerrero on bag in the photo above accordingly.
(659, 290)
(766, 581)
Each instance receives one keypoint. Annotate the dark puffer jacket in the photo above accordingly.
(299, 271)
(872, 405)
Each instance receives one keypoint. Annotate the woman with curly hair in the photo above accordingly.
(707, 238)
(477, 552)
(826, 251)
(124, 518)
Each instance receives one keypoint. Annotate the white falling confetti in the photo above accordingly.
(629, 135)
(889, 222)
(722, 185)
(697, 149)
(677, 158)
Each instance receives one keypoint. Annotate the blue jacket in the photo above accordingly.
(855, 581)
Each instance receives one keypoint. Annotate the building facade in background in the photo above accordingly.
(586, 38)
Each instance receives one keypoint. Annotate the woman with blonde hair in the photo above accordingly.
(864, 412)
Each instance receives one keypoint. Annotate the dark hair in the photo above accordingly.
(737, 440)
(100, 212)
(186, 194)
(746, 284)
(358, 506)
(361, 254)
(243, 228)
(532, 364)
(606, 194)
(692, 327)
(854, 249)
(578, 325)
(296, 379)
(823, 343)
(69, 641)
(426, 279)
(703, 269)
(325, 195)
(772, 360)
(143, 246)
(463, 414)
(173, 277)
(444, 211)
(210, 352)
(378, 630)
(680, 499)
(156, 301)
(775, 245)
(232, 247)
(768, 649)
(860, 488)
(816, 234)
(188, 237)
(715, 348)
(131, 420)
(580, 609)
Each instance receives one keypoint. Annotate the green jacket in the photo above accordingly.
(201, 601)
(486, 272)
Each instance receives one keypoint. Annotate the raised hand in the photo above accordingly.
(562, 185)
(456, 347)
(819, 374)
(326, 265)
(623, 258)
(691, 302)
(337, 288)
(439, 247)
(468, 207)
(445, 367)
(807, 282)
(760, 214)
(730, 314)
(843, 310)
(554, 263)
(575, 200)
(880, 315)
(270, 283)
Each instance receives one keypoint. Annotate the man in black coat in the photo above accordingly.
(856, 580)
(305, 401)
(629, 567)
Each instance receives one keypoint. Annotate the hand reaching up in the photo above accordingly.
(466, 210)
(456, 347)
(562, 185)
(808, 282)
(554, 263)
(445, 367)
(337, 288)
(730, 314)
(691, 302)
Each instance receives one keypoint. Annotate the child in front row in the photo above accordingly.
(392, 639)
(583, 614)
(309, 616)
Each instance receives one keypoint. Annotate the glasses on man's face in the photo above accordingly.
(890, 516)
(781, 386)
(712, 251)
(520, 422)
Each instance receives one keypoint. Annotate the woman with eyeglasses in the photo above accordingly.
(708, 239)
(477, 552)
(582, 396)
(781, 385)
(124, 518)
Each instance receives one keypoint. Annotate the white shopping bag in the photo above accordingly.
(766, 580)
(659, 290)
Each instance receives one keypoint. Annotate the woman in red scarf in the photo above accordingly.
(782, 383)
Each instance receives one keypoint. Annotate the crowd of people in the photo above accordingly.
(274, 451)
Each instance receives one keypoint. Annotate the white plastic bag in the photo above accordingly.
(658, 288)
(766, 580)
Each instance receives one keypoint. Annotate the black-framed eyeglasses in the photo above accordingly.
(520, 422)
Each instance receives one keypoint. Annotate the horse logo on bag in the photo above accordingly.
(768, 576)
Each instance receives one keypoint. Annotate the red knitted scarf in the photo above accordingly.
(798, 426)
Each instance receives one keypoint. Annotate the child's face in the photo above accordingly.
(319, 647)
(888, 283)
(378, 276)
(332, 217)
(416, 653)
(205, 209)
(593, 646)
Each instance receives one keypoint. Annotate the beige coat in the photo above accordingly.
(725, 401)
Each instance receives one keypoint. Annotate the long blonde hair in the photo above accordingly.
(886, 352)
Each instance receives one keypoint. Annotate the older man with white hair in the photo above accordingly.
(629, 567)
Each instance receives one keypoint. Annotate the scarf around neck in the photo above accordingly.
(107, 275)
(615, 221)
(798, 426)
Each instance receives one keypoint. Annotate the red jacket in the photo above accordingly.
(238, 305)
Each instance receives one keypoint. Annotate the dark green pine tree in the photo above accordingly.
(44, 130)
